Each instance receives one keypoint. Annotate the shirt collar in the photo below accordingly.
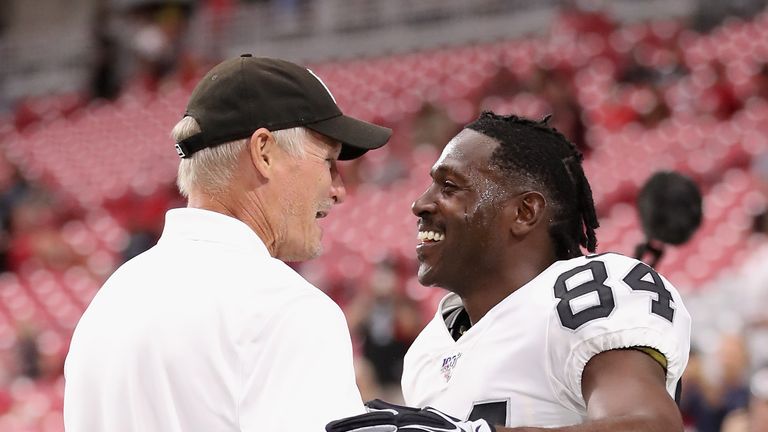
(209, 226)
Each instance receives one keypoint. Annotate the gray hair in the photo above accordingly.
(212, 168)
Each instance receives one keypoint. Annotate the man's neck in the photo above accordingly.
(247, 210)
(484, 295)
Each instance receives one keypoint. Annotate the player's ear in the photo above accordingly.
(525, 212)
(264, 151)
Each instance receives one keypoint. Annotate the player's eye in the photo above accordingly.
(448, 187)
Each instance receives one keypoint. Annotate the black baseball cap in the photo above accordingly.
(241, 95)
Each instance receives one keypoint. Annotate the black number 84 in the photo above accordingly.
(636, 279)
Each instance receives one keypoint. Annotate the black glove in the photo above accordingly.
(374, 421)
(432, 420)
(380, 405)
(387, 417)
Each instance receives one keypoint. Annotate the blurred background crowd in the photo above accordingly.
(89, 90)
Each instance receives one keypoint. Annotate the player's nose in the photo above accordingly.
(424, 204)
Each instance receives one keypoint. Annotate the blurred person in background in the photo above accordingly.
(28, 353)
(4, 16)
(557, 89)
(758, 403)
(365, 377)
(210, 330)
(719, 99)
(158, 40)
(719, 403)
(139, 44)
(431, 126)
(13, 189)
(751, 277)
(105, 75)
(753, 418)
(698, 403)
(36, 238)
(761, 82)
(142, 215)
(387, 322)
(733, 389)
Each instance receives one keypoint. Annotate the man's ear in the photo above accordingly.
(264, 151)
(525, 212)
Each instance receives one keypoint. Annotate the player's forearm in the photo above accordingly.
(622, 424)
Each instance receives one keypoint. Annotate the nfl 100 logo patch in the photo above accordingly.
(448, 364)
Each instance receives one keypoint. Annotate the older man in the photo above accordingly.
(209, 330)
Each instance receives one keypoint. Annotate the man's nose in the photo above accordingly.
(338, 191)
(423, 204)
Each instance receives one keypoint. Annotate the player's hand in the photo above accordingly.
(386, 417)
(432, 420)
(374, 421)
(380, 405)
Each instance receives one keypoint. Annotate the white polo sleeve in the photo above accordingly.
(311, 378)
(612, 303)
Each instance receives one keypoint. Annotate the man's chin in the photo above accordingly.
(313, 251)
(426, 275)
(310, 252)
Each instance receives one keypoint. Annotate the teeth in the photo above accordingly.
(430, 235)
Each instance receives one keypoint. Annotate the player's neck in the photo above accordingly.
(485, 294)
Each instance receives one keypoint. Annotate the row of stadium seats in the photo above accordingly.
(108, 149)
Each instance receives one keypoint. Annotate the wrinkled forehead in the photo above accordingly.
(469, 151)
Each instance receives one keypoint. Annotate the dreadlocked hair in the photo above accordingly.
(541, 156)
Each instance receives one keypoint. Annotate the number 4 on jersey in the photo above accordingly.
(637, 279)
(640, 278)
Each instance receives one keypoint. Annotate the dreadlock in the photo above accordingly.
(539, 154)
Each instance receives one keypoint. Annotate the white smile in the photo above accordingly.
(430, 236)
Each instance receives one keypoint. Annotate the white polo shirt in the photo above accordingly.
(207, 332)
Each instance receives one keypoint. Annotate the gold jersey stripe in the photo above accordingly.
(655, 354)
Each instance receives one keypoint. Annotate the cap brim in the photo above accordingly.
(356, 136)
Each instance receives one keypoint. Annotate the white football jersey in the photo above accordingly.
(521, 364)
